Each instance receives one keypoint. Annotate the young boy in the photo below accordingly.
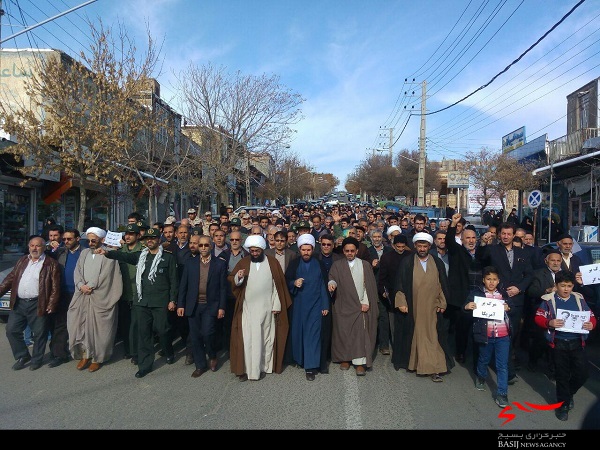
(567, 347)
(492, 336)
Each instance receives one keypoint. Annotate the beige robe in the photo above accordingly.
(92, 319)
(426, 355)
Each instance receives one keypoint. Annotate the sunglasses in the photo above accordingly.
(325, 245)
(235, 240)
(203, 245)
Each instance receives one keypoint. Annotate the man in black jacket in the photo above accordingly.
(464, 274)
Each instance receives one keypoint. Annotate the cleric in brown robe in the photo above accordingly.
(420, 334)
(354, 309)
(256, 315)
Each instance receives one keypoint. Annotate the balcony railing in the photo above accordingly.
(570, 145)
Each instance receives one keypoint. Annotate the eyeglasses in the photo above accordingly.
(280, 240)
(203, 245)
(92, 241)
(235, 240)
(325, 245)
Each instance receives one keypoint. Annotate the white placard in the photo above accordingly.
(574, 320)
(489, 308)
(113, 239)
(590, 274)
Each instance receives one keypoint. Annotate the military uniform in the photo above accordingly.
(150, 311)
(127, 327)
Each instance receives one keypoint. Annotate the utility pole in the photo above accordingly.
(421, 179)
(289, 202)
(391, 145)
(248, 178)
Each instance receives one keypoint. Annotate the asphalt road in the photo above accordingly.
(64, 398)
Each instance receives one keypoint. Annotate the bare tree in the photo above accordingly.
(494, 174)
(80, 117)
(254, 113)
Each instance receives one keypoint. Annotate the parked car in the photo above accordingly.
(254, 208)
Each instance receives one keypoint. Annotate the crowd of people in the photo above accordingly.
(307, 288)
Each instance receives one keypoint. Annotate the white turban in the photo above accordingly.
(304, 239)
(393, 228)
(423, 237)
(97, 231)
(254, 240)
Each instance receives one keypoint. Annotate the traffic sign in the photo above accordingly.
(534, 199)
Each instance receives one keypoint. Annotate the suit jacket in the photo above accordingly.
(542, 279)
(520, 275)
(216, 287)
(536, 256)
(288, 255)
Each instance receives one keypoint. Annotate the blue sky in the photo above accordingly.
(349, 59)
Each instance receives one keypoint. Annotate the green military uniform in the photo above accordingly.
(150, 311)
(128, 296)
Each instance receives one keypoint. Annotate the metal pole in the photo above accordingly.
(550, 210)
(248, 190)
(421, 180)
(289, 184)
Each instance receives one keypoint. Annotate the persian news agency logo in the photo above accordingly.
(531, 407)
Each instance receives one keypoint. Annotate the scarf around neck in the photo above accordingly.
(141, 266)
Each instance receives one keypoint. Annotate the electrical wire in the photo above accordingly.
(512, 63)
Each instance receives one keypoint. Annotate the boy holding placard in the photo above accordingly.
(491, 332)
(566, 341)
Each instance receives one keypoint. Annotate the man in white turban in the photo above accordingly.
(92, 314)
(420, 332)
(307, 281)
(260, 322)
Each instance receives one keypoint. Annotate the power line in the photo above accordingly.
(512, 63)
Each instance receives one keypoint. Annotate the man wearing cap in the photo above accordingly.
(303, 227)
(235, 224)
(157, 286)
(229, 210)
(420, 334)
(206, 223)
(143, 226)
(246, 224)
(354, 309)
(93, 312)
(307, 282)
(260, 322)
(127, 328)
(195, 221)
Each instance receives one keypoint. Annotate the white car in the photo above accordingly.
(254, 208)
